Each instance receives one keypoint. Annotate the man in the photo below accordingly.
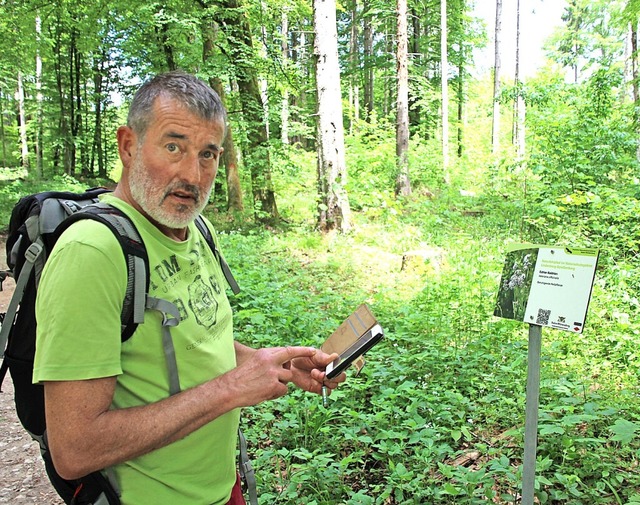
(107, 402)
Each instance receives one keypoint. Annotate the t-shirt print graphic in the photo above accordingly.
(202, 301)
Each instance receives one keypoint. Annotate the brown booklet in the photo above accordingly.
(354, 337)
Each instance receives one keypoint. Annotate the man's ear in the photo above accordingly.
(127, 143)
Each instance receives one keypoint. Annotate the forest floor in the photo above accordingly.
(23, 479)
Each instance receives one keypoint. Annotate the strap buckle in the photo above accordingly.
(33, 251)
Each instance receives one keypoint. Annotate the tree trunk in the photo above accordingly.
(634, 79)
(460, 105)
(229, 158)
(39, 99)
(333, 210)
(368, 61)
(258, 157)
(415, 109)
(2, 131)
(284, 113)
(495, 124)
(22, 122)
(519, 105)
(98, 85)
(403, 184)
(163, 35)
(445, 90)
(264, 85)
(354, 71)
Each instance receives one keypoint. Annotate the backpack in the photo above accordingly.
(36, 223)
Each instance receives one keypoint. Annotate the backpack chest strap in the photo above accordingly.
(170, 319)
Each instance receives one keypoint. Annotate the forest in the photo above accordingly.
(368, 161)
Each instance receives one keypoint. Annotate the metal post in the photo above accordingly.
(531, 415)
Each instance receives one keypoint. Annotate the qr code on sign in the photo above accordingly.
(543, 316)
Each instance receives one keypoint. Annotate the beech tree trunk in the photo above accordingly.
(403, 185)
(22, 122)
(333, 209)
(519, 105)
(445, 90)
(634, 79)
(257, 157)
(39, 99)
(229, 158)
(495, 124)
(284, 113)
(368, 63)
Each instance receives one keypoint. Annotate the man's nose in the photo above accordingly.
(191, 170)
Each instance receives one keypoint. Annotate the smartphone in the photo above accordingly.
(348, 356)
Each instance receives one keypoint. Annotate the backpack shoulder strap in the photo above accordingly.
(206, 233)
(137, 299)
(136, 259)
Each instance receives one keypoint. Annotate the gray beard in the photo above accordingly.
(151, 199)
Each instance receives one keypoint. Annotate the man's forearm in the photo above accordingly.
(86, 439)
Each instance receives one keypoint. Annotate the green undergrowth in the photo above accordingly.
(437, 414)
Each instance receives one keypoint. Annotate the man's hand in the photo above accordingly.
(264, 373)
(308, 372)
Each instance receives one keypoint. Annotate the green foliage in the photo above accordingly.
(437, 414)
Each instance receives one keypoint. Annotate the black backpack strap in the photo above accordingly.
(206, 233)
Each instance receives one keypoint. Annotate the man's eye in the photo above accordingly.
(209, 155)
(172, 148)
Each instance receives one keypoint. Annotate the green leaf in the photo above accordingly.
(549, 429)
(625, 431)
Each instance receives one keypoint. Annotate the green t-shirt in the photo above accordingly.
(78, 309)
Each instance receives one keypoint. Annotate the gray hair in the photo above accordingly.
(189, 91)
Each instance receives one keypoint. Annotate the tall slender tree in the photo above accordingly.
(230, 157)
(284, 47)
(444, 80)
(24, 145)
(368, 59)
(257, 155)
(519, 103)
(333, 209)
(497, 66)
(39, 99)
(403, 184)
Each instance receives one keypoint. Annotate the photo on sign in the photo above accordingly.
(515, 284)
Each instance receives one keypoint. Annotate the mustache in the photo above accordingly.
(192, 190)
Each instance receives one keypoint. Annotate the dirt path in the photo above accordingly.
(23, 479)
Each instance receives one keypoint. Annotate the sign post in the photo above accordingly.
(543, 286)
(531, 415)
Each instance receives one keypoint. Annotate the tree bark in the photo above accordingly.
(354, 73)
(461, 73)
(284, 113)
(39, 99)
(519, 105)
(445, 90)
(495, 123)
(634, 79)
(22, 122)
(403, 185)
(230, 156)
(368, 63)
(333, 209)
(258, 157)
